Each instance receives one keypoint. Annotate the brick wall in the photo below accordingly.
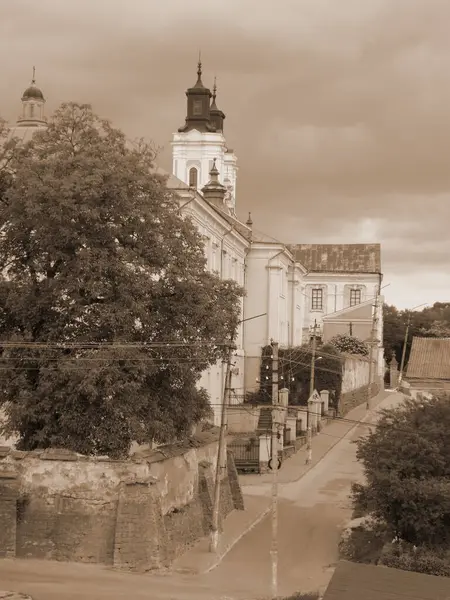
(138, 514)
(8, 510)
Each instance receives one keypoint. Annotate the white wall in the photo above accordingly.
(273, 289)
(355, 373)
(225, 255)
(336, 294)
(196, 149)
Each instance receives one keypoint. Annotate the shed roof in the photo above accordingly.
(429, 358)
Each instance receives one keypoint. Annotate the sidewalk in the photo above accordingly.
(295, 467)
(198, 559)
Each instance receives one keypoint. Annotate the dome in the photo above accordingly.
(33, 92)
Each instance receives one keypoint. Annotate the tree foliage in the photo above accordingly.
(94, 251)
(294, 372)
(349, 344)
(407, 469)
(433, 321)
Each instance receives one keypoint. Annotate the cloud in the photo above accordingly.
(338, 111)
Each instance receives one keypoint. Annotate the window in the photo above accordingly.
(197, 108)
(355, 297)
(317, 299)
(193, 177)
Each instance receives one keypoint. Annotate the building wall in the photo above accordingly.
(137, 514)
(336, 294)
(225, 251)
(195, 149)
(273, 290)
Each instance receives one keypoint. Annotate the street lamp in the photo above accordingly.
(408, 323)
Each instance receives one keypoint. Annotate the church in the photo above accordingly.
(292, 290)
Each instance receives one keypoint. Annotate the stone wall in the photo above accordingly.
(137, 514)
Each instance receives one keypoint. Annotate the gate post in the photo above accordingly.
(264, 452)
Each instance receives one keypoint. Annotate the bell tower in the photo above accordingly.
(199, 146)
(33, 102)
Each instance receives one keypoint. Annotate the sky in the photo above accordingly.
(338, 110)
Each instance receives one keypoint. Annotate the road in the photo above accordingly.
(312, 512)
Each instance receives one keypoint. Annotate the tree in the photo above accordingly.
(349, 344)
(294, 371)
(433, 321)
(394, 326)
(95, 255)
(407, 471)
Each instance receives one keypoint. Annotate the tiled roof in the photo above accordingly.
(429, 358)
(338, 258)
(352, 581)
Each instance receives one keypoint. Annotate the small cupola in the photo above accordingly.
(217, 116)
(214, 191)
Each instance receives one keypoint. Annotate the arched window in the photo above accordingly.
(193, 177)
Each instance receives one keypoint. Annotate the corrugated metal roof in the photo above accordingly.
(338, 258)
(352, 581)
(429, 358)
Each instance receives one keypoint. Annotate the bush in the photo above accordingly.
(421, 559)
(364, 544)
(349, 344)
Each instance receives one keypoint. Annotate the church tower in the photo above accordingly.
(32, 107)
(32, 117)
(200, 145)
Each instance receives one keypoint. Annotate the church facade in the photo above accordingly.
(289, 288)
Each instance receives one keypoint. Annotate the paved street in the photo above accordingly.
(312, 513)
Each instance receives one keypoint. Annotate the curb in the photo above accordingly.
(231, 544)
(363, 420)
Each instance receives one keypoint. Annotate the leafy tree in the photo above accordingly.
(407, 470)
(95, 254)
(433, 321)
(294, 373)
(393, 332)
(349, 344)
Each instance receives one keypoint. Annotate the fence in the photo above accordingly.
(246, 454)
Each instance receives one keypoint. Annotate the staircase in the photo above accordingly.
(265, 421)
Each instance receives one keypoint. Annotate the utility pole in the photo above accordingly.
(373, 333)
(405, 342)
(311, 392)
(221, 453)
(274, 457)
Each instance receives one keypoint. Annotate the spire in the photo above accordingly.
(33, 81)
(198, 105)
(214, 94)
(199, 70)
(249, 222)
(217, 116)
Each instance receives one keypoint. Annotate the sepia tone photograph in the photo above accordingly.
(225, 300)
